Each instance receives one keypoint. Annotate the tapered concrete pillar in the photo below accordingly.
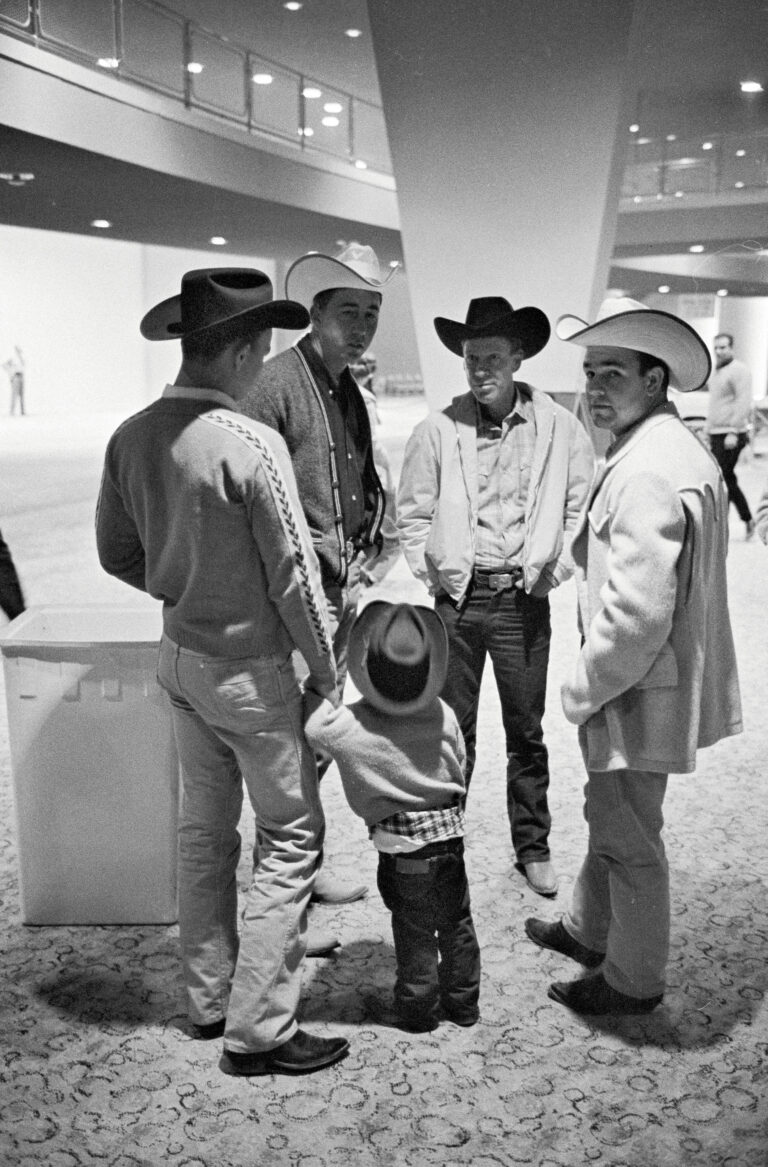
(507, 131)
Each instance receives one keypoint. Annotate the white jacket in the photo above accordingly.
(437, 496)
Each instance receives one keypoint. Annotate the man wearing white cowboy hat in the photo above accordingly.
(309, 395)
(199, 508)
(656, 676)
(490, 492)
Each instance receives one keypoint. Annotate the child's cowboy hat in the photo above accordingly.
(625, 323)
(211, 297)
(495, 316)
(398, 656)
(355, 267)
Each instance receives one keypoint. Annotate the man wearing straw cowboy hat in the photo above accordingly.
(199, 508)
(309, 395)
(656, 676)
(490, 492)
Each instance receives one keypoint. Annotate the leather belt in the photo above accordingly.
(497, 581)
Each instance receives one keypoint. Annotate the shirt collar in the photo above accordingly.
(190, 393)
(523, 407)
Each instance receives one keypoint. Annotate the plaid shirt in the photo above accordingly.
(425, 826)
(504, 458)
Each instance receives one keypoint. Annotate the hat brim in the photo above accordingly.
(311, 274)
(528, 325)
(163, 322)
(647, 331)
(357, 659)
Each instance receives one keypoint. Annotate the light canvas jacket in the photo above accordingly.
(438, 495)
(656, 676)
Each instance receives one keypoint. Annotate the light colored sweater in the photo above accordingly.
(730, 399)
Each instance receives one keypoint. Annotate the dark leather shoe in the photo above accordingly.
(381, 1014)
(556, 937)
(301, 1054)
(209, 1032)
(594, 996)
(540, 877)
(328, 890)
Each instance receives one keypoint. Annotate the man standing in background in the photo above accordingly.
(728, 420)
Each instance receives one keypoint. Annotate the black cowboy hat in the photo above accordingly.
(211, 297)
(494, 316)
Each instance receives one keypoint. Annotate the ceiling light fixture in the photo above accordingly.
(741, 153)
(678, 194)
(333, 107)
(306, 131)
(721, 292)
(263, 78)
(17, 178)
(311, 92)
(643, 141)
(194, 67)
(634, 128)
(353, 33)
(671, 137)
(706, 145)
(360, 164)
(696, 248)
(292, 5)
(751, 87)
(108, 62)
(102, 224)
(218, 240)
(330, 121)
(663, 288)
(739, 185)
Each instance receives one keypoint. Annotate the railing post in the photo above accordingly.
(302, 109)
(185, 62)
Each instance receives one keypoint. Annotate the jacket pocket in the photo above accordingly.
(663, 672)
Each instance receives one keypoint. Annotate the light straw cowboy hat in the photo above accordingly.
(398, 656)
(625, 323)
(211, 297)
(354, 267)
(494, 316)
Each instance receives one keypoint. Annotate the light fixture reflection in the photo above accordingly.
(751, 87)
(108, 62)
(311, 92)
(354, 33)
(102, 224)
(663, 289)
(696, 248)
(721, 292)
(263, 78)
(194, 67)
(218, 240)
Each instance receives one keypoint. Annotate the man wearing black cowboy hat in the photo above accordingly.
(490, 492)
(199, 508)
(655, 679)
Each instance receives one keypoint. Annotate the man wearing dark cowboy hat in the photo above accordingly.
(199, 508)
(310, 396)
(656, 676)
(490, 492)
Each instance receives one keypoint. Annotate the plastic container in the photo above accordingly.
(95, 771)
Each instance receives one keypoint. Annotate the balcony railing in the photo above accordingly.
(146, 43)
(717, 164)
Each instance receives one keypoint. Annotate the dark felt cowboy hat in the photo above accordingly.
(494, 316)
(625, 323)
(398, 656)
(211, 297)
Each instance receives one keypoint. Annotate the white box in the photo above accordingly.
(95, 770)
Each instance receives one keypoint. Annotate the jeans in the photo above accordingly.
(239, 722)
(512, 628)
(620, 900)
(726, 460)
(428, 895)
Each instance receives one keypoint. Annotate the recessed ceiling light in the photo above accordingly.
(102, 224)
(751, 87)
(306, 131)
(738, 185)
(643, 141)
(108, 62)
(218, 240)
(263, 78)
(17, 178)
(637, 199)
(706, 145)
(663, 288)
(721, 292)
(194, 67)
(740, 153)
(330, 121)
(678, 194)
(671, 137)
(292, 5)
(353, 32)
(333, 107)
(360, 164)
(696, 248)
(634, 128)
(311, 92)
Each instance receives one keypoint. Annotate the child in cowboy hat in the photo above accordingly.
(401, 758)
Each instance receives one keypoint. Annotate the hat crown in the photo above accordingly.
(209, 295)
(487, 310)
(402, 637)
(362, 259)
(614, 305)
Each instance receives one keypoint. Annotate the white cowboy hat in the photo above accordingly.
(625, 323)
(398, 656)
(354, 267)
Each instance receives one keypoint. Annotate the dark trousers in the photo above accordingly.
(11, 597)
(514, 630)
(726, 460)
(438, 957)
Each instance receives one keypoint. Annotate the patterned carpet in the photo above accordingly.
(98, 1064)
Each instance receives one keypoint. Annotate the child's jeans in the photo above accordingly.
(428, 895)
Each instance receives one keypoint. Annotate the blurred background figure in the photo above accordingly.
(364, 372)
(14, 367)
(729, 420)
(11, 595)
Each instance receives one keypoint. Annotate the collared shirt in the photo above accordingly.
(348, 439)
(409, 830)
(195, 394)
(504, 460)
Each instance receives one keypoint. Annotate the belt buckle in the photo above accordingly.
(499, 581)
